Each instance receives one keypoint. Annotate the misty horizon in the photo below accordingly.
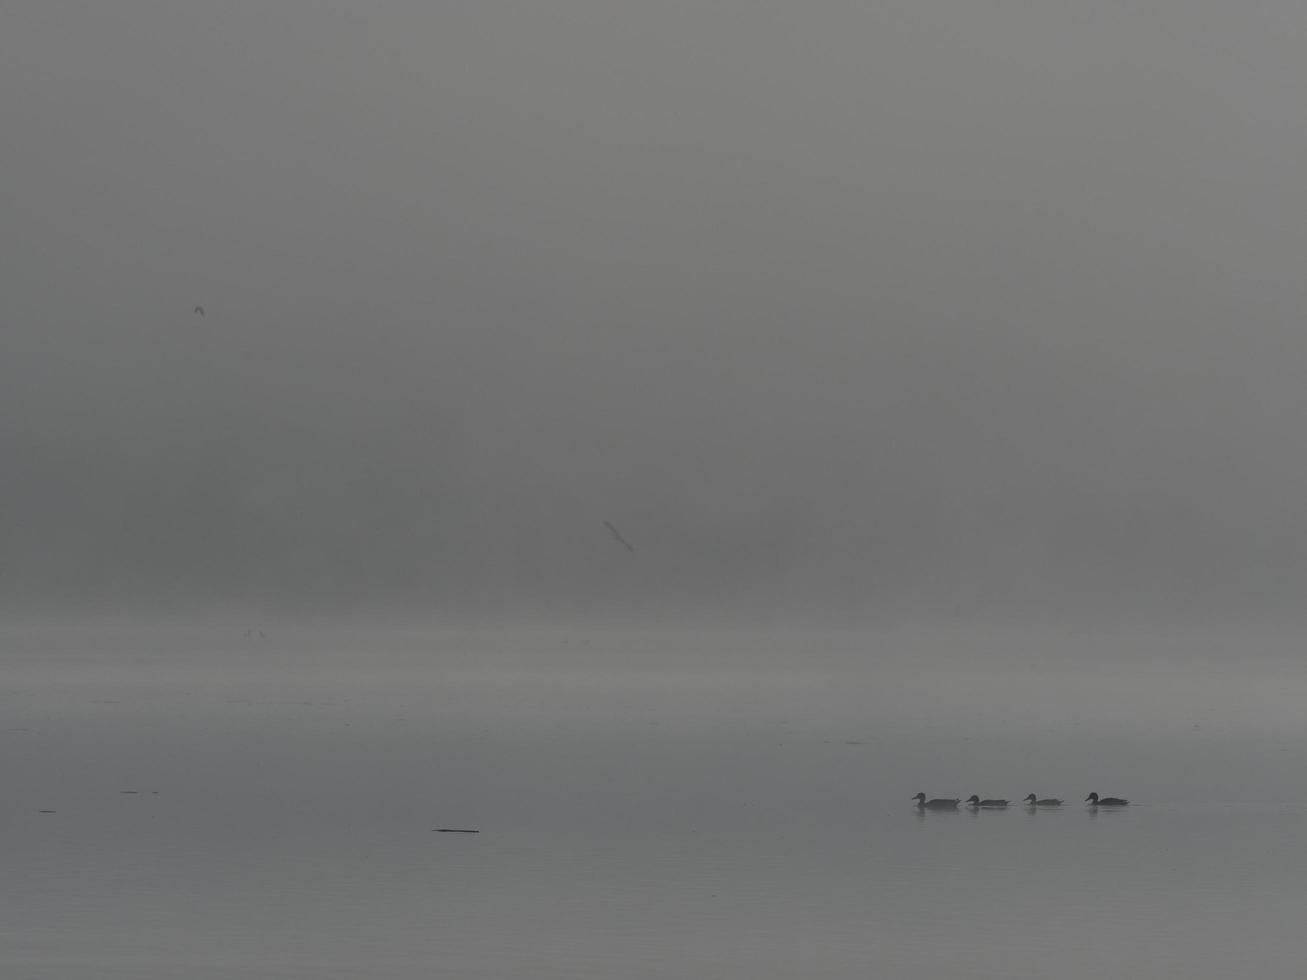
(660, 439)
(949, 310)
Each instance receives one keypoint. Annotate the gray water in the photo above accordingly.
(651, 803)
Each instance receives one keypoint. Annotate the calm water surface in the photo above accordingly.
(651, 804)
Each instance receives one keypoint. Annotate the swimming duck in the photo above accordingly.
(940, 804)
(1093, 800)
(977, 801)
(1034, 802)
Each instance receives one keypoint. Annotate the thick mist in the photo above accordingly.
(948, 308)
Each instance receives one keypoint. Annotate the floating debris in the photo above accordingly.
(45, 811)
(617, 536)
(454, 830)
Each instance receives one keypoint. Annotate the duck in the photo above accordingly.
(1030, 800)
(1093, 800)
(938, 804)
(977, 801)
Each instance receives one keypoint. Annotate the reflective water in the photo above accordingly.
(711, 804)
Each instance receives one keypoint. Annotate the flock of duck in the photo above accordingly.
(976, 803)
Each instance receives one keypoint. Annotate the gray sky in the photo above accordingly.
(863, 306)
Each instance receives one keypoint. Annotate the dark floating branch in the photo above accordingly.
(454, 830)
(617, 536)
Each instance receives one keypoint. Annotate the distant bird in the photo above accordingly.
(617, 536)
(199, 311)
(1034, 802)
(992, 804)
(1093, 800)
(940, 804)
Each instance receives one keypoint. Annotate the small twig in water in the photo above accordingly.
(617, 536)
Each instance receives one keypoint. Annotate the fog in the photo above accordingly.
(870, 310)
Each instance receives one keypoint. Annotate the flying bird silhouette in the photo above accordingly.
(617, 536)
(199, 310)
